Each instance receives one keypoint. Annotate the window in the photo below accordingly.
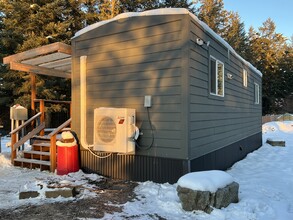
(256, 93)
(216, 77)
(244, 75)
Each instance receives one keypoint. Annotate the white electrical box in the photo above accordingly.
(18, 112)
(148, 101)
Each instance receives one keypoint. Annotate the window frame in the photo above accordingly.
(245, 78)
(256, 93)
(216, 81)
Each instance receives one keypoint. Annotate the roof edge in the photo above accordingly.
(169, 11)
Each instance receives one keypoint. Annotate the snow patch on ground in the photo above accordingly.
(265, 177)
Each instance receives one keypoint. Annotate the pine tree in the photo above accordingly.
(91, 11)
(138, 5)
(29, 24)
(109, 9)
(212, 12)
(177, 4)
(267, 53)
(234, 33)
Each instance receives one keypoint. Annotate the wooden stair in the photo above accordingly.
(43, 154)
(37, 157)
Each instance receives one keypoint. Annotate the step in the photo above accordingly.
(38, 155)
(32, 161)
(41, 146)
(45, 137)
(44, 153)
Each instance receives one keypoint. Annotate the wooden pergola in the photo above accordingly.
(52, 60)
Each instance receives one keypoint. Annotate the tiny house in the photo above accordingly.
(197, 102)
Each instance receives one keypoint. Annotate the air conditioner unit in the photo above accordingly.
(114, 129)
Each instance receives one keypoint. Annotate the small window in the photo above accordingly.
(216, 77)
(244, 78)
(256, 93)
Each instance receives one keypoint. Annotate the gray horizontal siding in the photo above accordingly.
(127, 61)
(216, 122)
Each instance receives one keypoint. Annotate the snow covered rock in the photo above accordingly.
(207, 189)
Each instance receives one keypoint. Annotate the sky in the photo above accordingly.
(265, 178)
(255, 12)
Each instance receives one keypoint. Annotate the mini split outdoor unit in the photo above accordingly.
(114, 130)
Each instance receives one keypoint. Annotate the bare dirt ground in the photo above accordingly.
(111, 195)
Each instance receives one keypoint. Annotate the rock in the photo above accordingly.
(205, 200)
(63, 192)
(28, 194)
(280, 143)
(226, 195)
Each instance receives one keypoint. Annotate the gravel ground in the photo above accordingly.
(111, 195)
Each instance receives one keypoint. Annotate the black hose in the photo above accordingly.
(152, 132)
(78, 146)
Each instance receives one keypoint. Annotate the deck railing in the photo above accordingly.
(37, 122)
(42, 105)
(15, 143)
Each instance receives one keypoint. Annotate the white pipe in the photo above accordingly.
(83, 109)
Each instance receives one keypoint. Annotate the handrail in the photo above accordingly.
(28, 136)
(26, 123)
(42, 103)
(53, 101)
(57, 130)
(53, 139)
(17, 143)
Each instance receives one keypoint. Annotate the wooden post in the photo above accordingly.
(70, 112)
(13, 151)
(42, 109)
(53, 153)
(33, 92)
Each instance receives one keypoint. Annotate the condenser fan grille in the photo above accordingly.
(106, 129)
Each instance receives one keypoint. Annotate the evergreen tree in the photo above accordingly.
(285, 72)
(91, 11)
(212, 12)
(109, 9)
(138, 5)
(267, 53)
(29, 24)
(235, 34)
(177, 4)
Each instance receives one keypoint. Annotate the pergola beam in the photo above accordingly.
(39, 70)
(47, 49)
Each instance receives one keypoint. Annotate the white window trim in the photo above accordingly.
(256, 93)
(217, 62)
(245, 78)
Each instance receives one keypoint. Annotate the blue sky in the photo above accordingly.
(255, 12)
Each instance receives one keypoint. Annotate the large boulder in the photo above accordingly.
(195, 198)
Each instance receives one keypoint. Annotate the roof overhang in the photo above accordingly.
(53, 60)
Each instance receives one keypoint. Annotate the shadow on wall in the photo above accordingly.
(127, 61)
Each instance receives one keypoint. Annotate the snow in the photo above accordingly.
(265, 177)
(205, 181)
(167, 11)
(67, 140)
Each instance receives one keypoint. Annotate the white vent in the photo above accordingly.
(114, 129)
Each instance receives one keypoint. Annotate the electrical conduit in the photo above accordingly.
(83, 98)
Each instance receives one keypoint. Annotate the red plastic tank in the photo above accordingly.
(67, 155)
